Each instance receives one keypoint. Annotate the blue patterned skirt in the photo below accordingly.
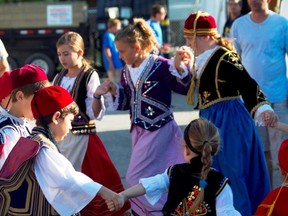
(241, 157)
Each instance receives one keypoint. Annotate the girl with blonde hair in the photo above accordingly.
(147, 83)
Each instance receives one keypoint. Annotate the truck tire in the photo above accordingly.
(43, 61)
(12, 63)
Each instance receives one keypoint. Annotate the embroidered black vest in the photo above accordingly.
(81, 124)
(225, 78)
(184, 187)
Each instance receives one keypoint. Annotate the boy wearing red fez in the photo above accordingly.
(36, 178)
(13, 122)
(227, 96)
(5, 90)
(276, 201)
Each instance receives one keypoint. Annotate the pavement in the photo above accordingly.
(114, 131)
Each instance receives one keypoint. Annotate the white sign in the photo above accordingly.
(59, 15)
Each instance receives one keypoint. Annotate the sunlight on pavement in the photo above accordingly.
(115, 122)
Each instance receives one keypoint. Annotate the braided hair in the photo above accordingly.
(202, 137)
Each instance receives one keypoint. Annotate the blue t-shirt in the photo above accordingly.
(263, 47)
(108, 42)
(156, 27)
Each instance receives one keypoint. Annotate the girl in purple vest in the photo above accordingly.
(147, 83)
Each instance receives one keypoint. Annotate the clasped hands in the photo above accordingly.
(183, 56)
(116, 203)
(269, 118)
(105, 87)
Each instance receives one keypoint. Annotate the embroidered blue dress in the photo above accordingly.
(221, 81)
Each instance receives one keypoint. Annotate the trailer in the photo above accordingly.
(30, 30)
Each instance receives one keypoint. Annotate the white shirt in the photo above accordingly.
(67, 190)
(156, 186)
(135, 73)
(94, 82)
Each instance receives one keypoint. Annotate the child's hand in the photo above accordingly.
(112, 89)
(115, 203)
(184, 56)
(187, 55)
(105, 87)
(106, 193)
(270, 118)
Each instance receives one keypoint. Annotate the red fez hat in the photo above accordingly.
(283, 155)
(49, 100)
(200, 24)
(28, 74)
(5, 85)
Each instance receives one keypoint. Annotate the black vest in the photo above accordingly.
(184, 185)
(81, 124)
(225, 78)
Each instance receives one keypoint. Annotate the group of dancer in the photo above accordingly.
(64, 167)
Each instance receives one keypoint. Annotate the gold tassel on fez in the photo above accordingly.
(190, 94)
